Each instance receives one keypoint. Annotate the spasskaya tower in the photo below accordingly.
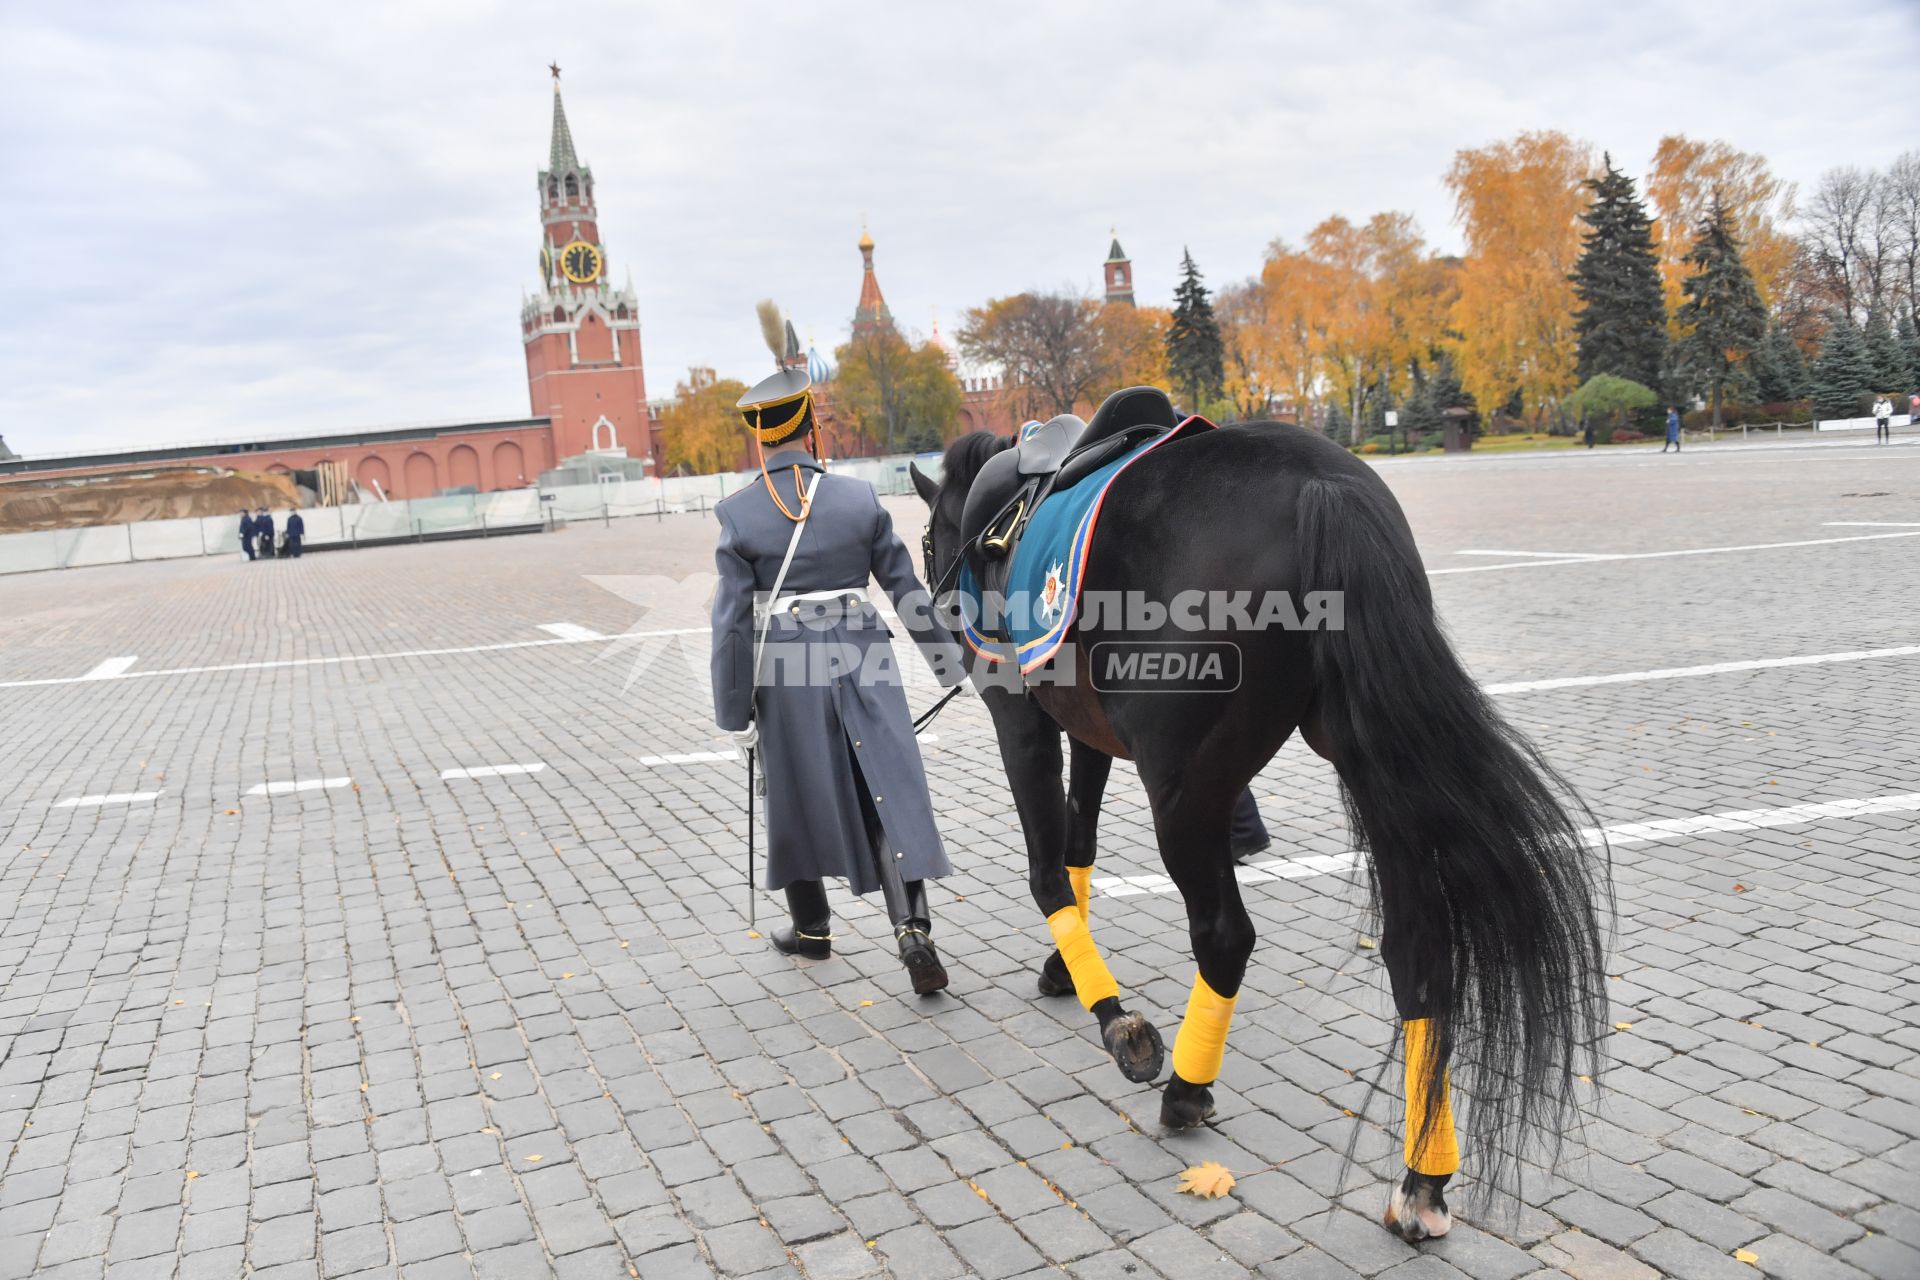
(582, 334)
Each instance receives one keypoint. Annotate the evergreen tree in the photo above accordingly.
(1196, 357)
(1909, 336)
(1842, 373)
(1779, 370)
(1622, 322)
(1891, 366)
(1722, 314)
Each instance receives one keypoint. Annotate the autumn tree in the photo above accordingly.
(1133, 345)
(701, 430)
(1722, 319)
(1060, 352)
(898, 395)
(1852, 239)
(1519, 204)
(1195, 354)
(1687, 177)
(1622, 321)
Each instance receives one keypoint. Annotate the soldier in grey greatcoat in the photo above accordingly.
(845, 791)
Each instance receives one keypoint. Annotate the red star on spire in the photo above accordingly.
(555, 68)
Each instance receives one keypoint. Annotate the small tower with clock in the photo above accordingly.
(581, 333)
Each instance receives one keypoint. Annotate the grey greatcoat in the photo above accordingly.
(832, 711)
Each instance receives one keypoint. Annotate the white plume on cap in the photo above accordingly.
(772, 328)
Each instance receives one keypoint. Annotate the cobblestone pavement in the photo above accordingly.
(513, 1024)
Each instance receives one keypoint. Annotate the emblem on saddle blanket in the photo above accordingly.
(1036, 610)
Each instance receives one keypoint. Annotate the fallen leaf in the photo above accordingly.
(623, 947)
(534, 1159)
(1366, 944)
(363, 1086)
(1623, 1026)
(494, 1076)
(865, 1003)
(192, 1174)
(231, 812)
(354, 1018)
(1739, 888)
(1208, 1181)
(488, 1130)
(567, 974)
(1745, 1255)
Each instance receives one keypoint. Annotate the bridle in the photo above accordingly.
(933, 596)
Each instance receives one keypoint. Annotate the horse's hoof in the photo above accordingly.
(1185, 1106)
(1417, 1209)
(1054, 978)
(1136, 1047)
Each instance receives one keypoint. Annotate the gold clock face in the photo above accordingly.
(581, 262)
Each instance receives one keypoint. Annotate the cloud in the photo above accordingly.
(222, 220)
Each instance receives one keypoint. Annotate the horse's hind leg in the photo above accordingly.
(1191, 816)
(1085, 790)
(1416, 944)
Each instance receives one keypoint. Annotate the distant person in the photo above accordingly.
(1913, 409)
(1247, 834)
(1673, 430)
(1589, 433)
(1883, 421)
(296, 530)
(263, 530)
(246, 532)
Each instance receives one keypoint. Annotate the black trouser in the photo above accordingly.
(1672, 441)
(1883, 429)
(247, 547)
(1247, 831)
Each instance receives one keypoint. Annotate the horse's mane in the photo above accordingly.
(967, 454)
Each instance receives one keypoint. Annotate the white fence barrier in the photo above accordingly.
(413, 518)
(1864, 424)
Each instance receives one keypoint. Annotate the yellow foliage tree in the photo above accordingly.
(1687, 176)
(1519, 204)
(900, 396)
(701, 429)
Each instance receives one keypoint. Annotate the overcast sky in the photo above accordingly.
(223, 220)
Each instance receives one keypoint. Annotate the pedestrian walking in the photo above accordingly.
(1673, 430)
(246, 532)
(807, 683)
(263, 530)
(296, 532)
(1883, 420)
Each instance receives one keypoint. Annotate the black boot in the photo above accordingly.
(912, 929)
(810, 936)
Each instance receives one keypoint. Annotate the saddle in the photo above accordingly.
(1050, 458)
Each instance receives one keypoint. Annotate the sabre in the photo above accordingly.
(751, 897)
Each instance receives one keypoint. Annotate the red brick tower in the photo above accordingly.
(870, 315)
(582, 334)
(1119, 274)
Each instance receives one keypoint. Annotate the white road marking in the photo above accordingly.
(1871, 524)
(305, 784)
(115, 797)
(1625, 833)
(1754, 819)
(1662, 555)
(691, 757)
(343, 659)
(1537, 555)
(112, 668)
(490, 771)
(1708, 669)
(571, 631)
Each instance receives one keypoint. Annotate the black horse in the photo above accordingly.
(1489, 899)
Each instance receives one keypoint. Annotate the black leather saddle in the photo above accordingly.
(1051, 458)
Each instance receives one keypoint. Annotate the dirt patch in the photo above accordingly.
(169, 493)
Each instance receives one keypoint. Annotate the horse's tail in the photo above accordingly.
(1472, 853)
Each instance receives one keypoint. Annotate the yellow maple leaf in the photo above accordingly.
(1207, 1181)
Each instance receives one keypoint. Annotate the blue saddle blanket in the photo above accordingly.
(1049, 564)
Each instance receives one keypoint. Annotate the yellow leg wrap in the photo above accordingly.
(1441, 1151)
(1082, 878)
(1202, 1041)
(1092, 981)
